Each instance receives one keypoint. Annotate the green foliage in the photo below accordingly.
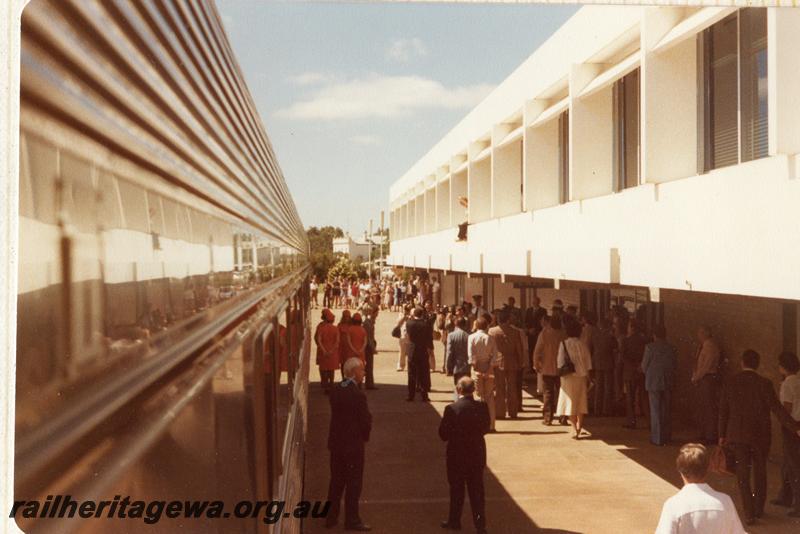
(343, 268)
(321, 244)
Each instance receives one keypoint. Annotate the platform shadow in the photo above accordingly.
(405, 482)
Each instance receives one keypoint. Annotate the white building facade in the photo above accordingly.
(642, 154)
(354, 250)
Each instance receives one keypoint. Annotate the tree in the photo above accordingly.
(343, 268)
(321, 245)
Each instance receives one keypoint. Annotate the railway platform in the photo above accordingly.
(537, 479)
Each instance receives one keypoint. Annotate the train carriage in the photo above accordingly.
(162, 342)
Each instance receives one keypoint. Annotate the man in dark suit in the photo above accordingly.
(351, 423)
(463, 426)
(420, 333)
(632, 354)
(744, 426)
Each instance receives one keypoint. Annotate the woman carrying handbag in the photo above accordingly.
(574, 365)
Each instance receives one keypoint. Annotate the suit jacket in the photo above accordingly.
(545, 355)
(603, 352)
(632, 355)
(457, 351)
(659, 364)
(509, 346)
(351, 421)
(420, 333)
(744, 410)
(463, 426)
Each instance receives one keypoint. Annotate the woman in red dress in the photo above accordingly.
(343, 327)
(357, 339)
(327, 338)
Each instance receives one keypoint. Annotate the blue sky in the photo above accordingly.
(352, 95)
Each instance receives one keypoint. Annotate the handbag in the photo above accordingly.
(568, 368)
(722, 461)
(396, 332)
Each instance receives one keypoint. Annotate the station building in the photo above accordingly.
(642, 156)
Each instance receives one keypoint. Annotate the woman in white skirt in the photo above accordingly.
(572, 398)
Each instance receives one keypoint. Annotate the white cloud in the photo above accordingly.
(382, 97)
(309, 78)
(403, 50)
(366, 140)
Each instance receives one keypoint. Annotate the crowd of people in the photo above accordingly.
(580, 366)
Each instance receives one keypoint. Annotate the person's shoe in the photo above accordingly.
(780, 502)
(360, 527)
(425, 399)
(409, 399)
(447, 525)
(547, 423)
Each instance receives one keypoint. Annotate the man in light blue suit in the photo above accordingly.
(659, 364)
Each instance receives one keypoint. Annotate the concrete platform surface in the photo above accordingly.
(538, 479)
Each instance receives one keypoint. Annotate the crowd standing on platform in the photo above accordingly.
(580, 365)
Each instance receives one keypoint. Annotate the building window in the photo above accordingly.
(626, 131)
(753, 84)
(734, 77)
(563, 157)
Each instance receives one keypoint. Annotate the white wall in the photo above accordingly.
(733, 231)
(669, 113)
(480, 190)
(591, 151)
(459, 189)
(541, 166)
(507, 179)
(443, 204)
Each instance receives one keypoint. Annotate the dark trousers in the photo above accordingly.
(791, 462)
(471, 478)
(520, 374)
(326, 379)
(369, 378)
(708, 408)
(634, 387)
(551, 385)
(603, 399)
(751, 460)
(419, 376)
(347, 473)
(660, 417)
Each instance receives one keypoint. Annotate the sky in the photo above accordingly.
(352, 95)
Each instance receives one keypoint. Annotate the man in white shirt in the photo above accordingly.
(697, 508)
(788, 365)
(482, 355)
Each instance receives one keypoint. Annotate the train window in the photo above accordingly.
(182, 223)
(110, 202)
(134, 206)
(79, 198)
(43, 160)
(201, 227)
(155, 213)
(25, 186)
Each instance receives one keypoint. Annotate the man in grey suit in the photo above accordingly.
(457, 359)
(659, 364)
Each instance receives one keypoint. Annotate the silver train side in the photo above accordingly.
(162, 341)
